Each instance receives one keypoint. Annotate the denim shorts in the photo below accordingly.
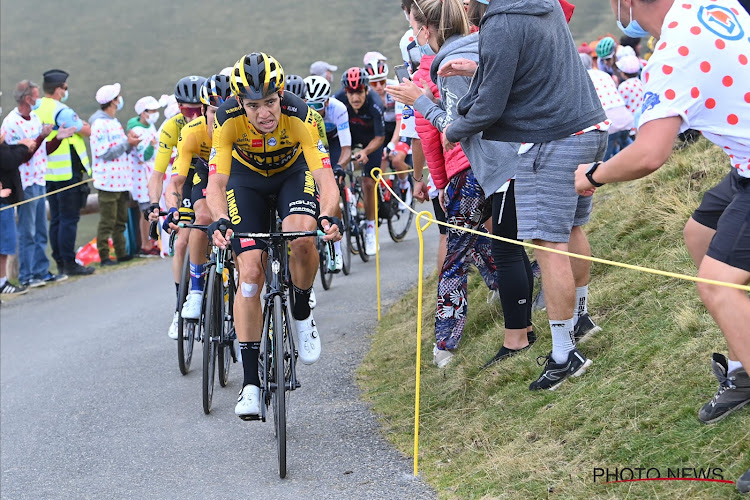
(8, 235)
(547, 205)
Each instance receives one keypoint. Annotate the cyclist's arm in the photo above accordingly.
(155, 186)
(375, 144)
(344, 134)
(216, 196)
(187, 146)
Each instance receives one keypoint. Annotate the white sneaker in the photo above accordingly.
(248, 404)
(313, 301)
(172, 333)
(191, 309)
(308, 340)
(339, 262)
(370, 244)
(406, 192)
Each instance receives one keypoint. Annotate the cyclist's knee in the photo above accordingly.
(303, 246)
(250, 267)
(202, 214)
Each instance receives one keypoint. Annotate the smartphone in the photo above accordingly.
(401, 73)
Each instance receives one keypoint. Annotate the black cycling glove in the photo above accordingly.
(221, 225)
(150, 209)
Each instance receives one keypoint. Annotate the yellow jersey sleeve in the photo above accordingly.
(194, 141)
(224, 137)
(170, 134)
(306, 132)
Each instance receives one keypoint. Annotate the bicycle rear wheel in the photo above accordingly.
(213, 322)
(228, 344)
(361, 222)
(401, 217)
(184, 338)
(326, 276)
(346, 254)
(279, 393)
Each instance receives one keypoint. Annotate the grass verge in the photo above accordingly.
(484, 435)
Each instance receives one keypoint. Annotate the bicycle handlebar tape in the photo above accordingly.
(150, 209)
(154, 231)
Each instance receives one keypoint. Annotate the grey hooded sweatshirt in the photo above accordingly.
(484, 156)
(530, 85)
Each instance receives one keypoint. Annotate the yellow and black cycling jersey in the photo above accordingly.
(320, 123)
(234, 137)
(170, 133)
(194, 141)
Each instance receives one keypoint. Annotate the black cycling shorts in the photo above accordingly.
(726, 208)
(439, 215)
(200, 182)
(374, 159)
(248, 199)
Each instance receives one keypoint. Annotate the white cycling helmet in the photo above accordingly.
(376, 70)
(318, 89)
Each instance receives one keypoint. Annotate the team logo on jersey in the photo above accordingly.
(212, 154)
(246, 242)
(407, 113)
(721, 21)
(272, 141)
(650, 100)
(321, 147)
(257, 143)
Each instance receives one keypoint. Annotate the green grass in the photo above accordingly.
(484, 435)
(148, 45)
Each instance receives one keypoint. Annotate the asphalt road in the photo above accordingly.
(92, 404)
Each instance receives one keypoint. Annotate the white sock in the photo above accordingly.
(733, 365)
(562, 339)
(337, 247)
(582, 298)
(403, 183)
(370, 226)
(3, 280)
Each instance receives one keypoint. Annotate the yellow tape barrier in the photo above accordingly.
(377, 175)
(47, 194)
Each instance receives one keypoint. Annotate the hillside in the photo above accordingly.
(485, 435)
(147, 45)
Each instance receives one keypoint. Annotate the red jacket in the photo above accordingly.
(442, 164)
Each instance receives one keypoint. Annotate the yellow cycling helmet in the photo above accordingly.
(256, 76)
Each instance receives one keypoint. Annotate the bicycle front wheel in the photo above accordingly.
(279, 393)
(401, 217)
(326, 276)
(228, 337)
(213, 322)
(346, 253)
(361, 222)
(184, 337)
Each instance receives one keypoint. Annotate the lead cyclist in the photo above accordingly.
(265, 144)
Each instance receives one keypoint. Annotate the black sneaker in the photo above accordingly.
(124, 258)
(585, 329)
(505, 353)
(10, 289)
(75, 269)
(108, 263)
(733, 393)
(554, 374)
(743, 483)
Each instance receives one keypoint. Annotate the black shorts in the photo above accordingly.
(726, 208)
(373, 160)
(187, 190)
(248, 198)
(439, 215)
(200, 182)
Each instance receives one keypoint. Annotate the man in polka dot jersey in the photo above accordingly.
(699, 77)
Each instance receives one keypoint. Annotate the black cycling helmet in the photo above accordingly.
(256, 76)
(354, 79)
(296, 85)
(188, 89)
(215, 90)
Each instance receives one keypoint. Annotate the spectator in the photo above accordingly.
(112, 173)
(633, 42)
(142, 159)
(606, 50)
(512, 99)
(65, 167)
(11, 192)
(322, 68)
(22, 123)
(697, 78)
(631, 90)
(620, 119)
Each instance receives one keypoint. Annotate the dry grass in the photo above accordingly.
(484, 435)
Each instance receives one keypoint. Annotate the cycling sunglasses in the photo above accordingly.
(317, 106)
(215, 101)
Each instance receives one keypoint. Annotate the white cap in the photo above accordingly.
(108, 93)
(319, 68)
(373, 58)
(226, 71)
(624, 51)
(629, 64)
(145, 103)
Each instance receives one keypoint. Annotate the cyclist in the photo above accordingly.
(368, 131)
(265, 144)
(187, 93)
(195, 142)
(335, 118)
(397, 148)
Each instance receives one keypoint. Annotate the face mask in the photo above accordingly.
(425, 49)
(36, 104)
(407, 17)
(64, 97)
(633, 29)
(152, 118)
(120, 103)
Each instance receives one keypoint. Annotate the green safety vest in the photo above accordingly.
(59, 163)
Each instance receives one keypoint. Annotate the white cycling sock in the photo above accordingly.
(3, 280)
(733, 365)
(562, 339)
(370, 226)
(337, 247)
(582, 298)
(403, 183)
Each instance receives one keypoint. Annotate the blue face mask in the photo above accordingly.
(633, 29)
(65, 97)
(120, 103)
(36, 104)
(425, 49)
